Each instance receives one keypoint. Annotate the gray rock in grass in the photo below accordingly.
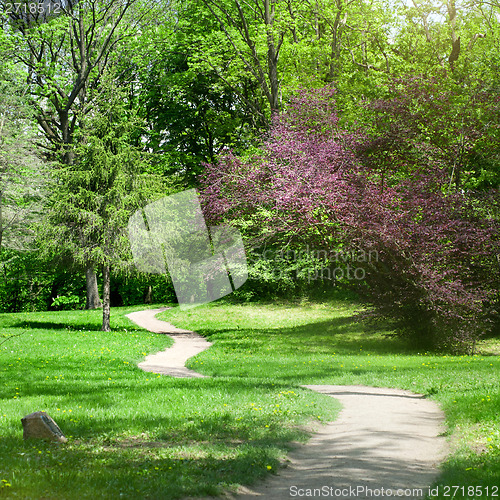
(39, 425)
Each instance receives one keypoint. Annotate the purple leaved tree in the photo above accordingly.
(315, 183)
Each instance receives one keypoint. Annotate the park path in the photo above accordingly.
(386, 443)
(171, 361)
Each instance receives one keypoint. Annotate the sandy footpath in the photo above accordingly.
(386, 443)
(383, 439)
(171, 361)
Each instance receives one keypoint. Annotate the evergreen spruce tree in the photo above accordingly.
(93, 198)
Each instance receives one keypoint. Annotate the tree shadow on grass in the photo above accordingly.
(141, 450)
(74, 320)
(110, 472)
(346, 335)
(67, 325)
(174, 454)
(149, 404)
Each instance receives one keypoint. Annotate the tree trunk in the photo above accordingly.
(335, 45)
(106, 310)
(148, 299)
(272, 56)
(93, 300)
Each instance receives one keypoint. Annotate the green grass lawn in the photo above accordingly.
(139, 435)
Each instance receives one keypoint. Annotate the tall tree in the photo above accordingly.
(434, 267)
(191, 116)
(248, 27)
(441, 37)
(456, 123)
(64, 59)
(282, 44)
(95, 195)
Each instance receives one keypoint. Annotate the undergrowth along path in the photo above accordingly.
(386, 443)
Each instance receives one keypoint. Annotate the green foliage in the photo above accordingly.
(21, 171)
(130, 432)
(63, 70)
(133, 289)
(93, 198)
(193, 113)
(66, 302)
(30, 283)
(277, 272)
(22, 284)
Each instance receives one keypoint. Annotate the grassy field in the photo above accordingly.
(133, 434)
(138, 435)
(315, 343)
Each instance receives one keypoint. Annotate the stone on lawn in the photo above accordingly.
(39, 425)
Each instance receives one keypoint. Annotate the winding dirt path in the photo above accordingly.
(386, 443)
(171, 361)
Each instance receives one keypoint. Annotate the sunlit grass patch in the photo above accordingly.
(140, 435)
(134, 434)
(324, 344)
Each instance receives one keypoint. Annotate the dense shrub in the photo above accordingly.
(141, 289)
